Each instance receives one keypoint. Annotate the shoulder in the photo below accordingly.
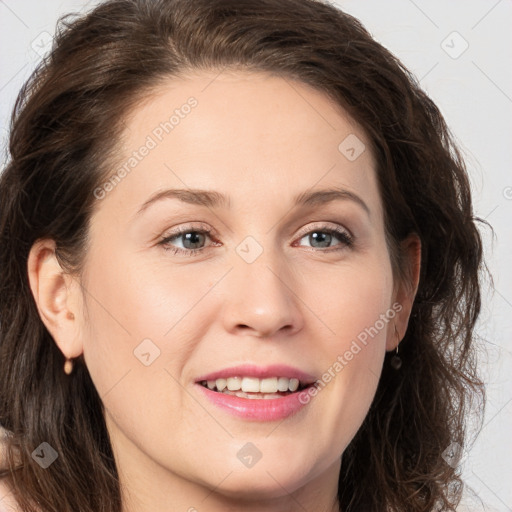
(7, 502)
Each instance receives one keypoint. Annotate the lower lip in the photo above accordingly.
(260, 409)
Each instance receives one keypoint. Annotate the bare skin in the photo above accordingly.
(260, 140)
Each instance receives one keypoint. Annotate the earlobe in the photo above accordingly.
(55, 296)
(406, 289)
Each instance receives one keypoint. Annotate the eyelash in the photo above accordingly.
(342, 235)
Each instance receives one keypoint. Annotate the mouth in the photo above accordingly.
(257, 393)
(256, 388)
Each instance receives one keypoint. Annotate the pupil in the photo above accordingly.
(316, 236)
(192, 237)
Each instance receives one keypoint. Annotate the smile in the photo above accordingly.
(257, 393)
(253, 387)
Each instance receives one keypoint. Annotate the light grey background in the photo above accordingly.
(461, 51)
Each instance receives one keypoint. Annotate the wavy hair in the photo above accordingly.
(65, 130)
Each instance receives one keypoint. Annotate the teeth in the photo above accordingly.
(221, 384)
(266, 386)
(251, 384)
(282, 384)
(234, 383)
(294, 384)
(264, 396)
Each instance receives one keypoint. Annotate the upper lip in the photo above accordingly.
(253, 370)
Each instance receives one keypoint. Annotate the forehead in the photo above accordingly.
(255, 137)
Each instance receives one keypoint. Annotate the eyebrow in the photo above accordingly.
(214, 199)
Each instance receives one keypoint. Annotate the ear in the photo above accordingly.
(405, 289)
(57, 297)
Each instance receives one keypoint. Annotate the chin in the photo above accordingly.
(255, 488)
(262, 481)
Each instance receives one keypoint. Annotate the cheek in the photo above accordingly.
(352, 298)
(135, 348)
(364, 319)
(135, 309)
(353, 355)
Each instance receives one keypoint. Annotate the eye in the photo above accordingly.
(321, 237)
(193, 240)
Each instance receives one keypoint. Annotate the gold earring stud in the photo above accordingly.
(68, 366)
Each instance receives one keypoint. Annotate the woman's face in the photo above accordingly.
(258, 280)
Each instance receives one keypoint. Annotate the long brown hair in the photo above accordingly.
(65, 128)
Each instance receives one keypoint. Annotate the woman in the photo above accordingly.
(174, 165)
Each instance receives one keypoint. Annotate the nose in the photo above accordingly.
(261, 300)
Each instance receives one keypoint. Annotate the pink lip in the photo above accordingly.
(259, 409)
(250, 370)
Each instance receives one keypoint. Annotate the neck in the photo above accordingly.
(147, 486)
(180, 495)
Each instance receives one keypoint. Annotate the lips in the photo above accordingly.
(255, 392)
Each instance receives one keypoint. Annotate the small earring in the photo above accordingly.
(396, 360)
(68, 366)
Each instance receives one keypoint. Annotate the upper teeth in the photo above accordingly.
(255, 385)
